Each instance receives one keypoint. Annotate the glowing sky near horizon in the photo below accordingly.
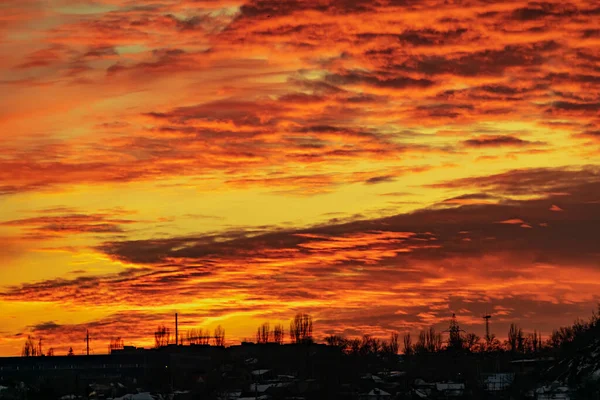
(379, 164)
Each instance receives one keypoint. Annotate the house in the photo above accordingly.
(262, 374)
(555, 391)
(450, 389)
(498, 382)
(371, 377)
(423, 389)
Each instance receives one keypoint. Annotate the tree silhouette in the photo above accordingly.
(29, 348)
(70, 353)
(472, 342)
(199, 336)
(262, 333)
(370, 345)
(407, 343)
(421, 345)
(205, 337)
(193, 336)
(162, 336)
(515, 341)
(533, 342)
(433, 340)
(219, 338)
(301, 328)
(278, 334)
(355, 346)
(394, 346)
(50, 352)
(337, 341)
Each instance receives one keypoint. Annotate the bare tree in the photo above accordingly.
(262, 333)
(301, 328)
(205, 337)
(29, 348)
(199, 336)
(162, 336)
(421, 345)
(492, 343)
(50, 352)
(369, 345)
(219, 338)
(433, 340)
(407, 343)
(472, 341)
(193, 336)
(394, 346)
(515, 341)
(533, 343)
(278, 334)
(337, 341)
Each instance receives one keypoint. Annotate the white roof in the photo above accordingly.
(378, 392)
(137, 396)
(260, 371)
(552, 389)
(286, 377)
(449, 386)
(261, 388)
(554, 396)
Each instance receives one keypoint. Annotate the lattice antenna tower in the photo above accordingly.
(454, 329)
(87, 340)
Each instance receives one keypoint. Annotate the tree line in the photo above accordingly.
(33, 348)
(427, 341)
(162, 337)
(301, 331)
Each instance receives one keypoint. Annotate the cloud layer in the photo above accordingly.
(219, 157)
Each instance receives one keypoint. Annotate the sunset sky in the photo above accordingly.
(378, 164)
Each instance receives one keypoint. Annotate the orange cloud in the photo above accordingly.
(197, 149)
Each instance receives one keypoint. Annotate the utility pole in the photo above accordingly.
(176, 331)
(87, 342)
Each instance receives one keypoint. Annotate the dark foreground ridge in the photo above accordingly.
(294, 371)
